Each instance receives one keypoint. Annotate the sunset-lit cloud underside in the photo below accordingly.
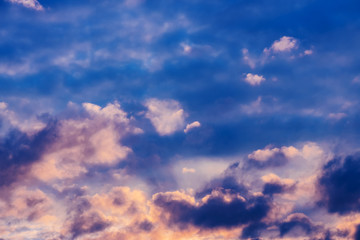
(179, 120)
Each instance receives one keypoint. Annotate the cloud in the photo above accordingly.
(33, 4)
(223, 184)
(167, 116)
(247, 59)
(255, 107)
(253, 230)
(284, 44)
(339, 185)
(295, 221)
(19, 151)
(191, 126)
(275, 185)
(92, 139)
(87, 224)
(29, 125)
(254, 79)
(337, 116)
(265, 154)
(357, 234)
(214, 211)
(308, 52)
(272, 157)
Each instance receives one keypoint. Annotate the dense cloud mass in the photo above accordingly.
(340, 185)
(18, 151)
(216, 211)
(181, 120)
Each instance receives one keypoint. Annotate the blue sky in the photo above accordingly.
(139, 119)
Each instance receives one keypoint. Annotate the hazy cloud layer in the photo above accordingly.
(140, 119)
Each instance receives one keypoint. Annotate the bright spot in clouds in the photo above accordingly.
(284, 44)
(191, 126)
(254, 79)
(34, 4)
(167, 116)
(188, 170)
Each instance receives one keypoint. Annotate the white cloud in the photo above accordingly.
(254, 79)
(34, 4)
(264, 154)
(29, 125)
(191, 126)
(91, 140)
(273, 178)
(284, 44)
(166, 116)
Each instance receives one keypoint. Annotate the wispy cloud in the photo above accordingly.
(33, 4)
(191, 126)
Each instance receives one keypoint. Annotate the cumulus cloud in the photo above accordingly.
(284, 44)
(93, 139)
(33, 4)
(264, 154)
(284, 47)
(271, 157)
(167, 116)
(191, 126)
(254, 79)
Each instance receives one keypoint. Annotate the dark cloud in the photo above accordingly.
(357, 233)
(296, 223)
(72, 192)
(81, 219)
(18, 151)
(85, 224)
(253, 231)
(146, 226)
(339, 185)
(277, 188)
(227, 184)
(273, 188)
(216, 212)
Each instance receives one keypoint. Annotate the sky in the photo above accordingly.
(179, 119)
